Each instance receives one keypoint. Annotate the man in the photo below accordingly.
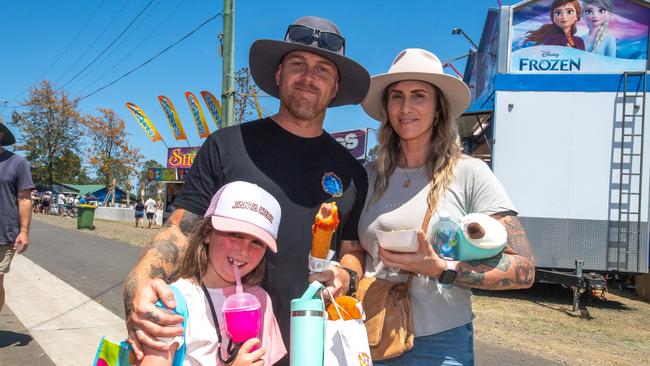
(150, 207)
(15, 205)
(60, 204)
(287, 154)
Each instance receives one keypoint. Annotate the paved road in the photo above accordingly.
(94, 268)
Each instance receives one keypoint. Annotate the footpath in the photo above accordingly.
(66, 292)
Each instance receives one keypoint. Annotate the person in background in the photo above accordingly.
(150, 208)
(46, 202)
(419, 163)
(15, 205)
(139, 213)
(60, 204)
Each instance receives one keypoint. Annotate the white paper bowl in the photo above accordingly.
(402, 241)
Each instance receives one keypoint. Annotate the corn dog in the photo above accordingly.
(325, 223)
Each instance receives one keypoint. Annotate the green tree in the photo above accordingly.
(49, 129)
(110, 153)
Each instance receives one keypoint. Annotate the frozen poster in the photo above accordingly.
(579, 36)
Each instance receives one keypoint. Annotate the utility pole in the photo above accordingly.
(228, 54)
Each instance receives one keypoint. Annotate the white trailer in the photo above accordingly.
(568, 143)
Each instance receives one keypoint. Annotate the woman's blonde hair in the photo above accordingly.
(195, 260)
(444, 151)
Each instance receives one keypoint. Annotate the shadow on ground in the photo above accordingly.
(9, 338)
(557, 297)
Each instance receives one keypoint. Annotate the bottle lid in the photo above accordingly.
(443, 214)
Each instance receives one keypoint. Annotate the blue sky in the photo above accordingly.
(36, 34)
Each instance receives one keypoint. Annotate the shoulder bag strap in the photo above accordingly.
(425, 227)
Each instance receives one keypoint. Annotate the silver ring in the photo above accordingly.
(307, 313)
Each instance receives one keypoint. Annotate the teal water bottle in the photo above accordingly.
(308, 328)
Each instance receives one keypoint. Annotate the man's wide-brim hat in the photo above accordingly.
(265, 56)
(7, 137)
(421, 65)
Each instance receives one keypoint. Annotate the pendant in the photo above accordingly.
(407, 183)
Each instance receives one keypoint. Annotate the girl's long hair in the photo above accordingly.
(538, 36)
(601, 33)
(195, 260)
(444, 152)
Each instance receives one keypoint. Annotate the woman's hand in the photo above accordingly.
(245, 357)
(425, 261)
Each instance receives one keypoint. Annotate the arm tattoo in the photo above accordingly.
(514, 268)
(189, 222)
(129, 292)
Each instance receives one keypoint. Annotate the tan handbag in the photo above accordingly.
(389, 314)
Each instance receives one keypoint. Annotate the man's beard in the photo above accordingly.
(301, 107)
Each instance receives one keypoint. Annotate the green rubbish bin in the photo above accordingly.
(85, 216)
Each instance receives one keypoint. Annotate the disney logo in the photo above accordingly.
(550, 54)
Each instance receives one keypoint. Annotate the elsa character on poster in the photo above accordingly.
(596, 14)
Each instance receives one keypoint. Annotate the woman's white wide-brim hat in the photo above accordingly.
(421, 65)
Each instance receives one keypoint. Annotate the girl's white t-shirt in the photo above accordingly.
(200, 334)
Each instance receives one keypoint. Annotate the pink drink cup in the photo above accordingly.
(242, 325)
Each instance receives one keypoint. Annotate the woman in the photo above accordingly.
(419, 159)
(599, 40)
(565, 14)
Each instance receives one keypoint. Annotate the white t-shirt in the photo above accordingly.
(61, 199)
(150, 205)
(474, 189)
(200, 334)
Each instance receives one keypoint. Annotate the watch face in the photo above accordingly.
(447, 277)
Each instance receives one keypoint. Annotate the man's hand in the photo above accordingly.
(21, 243)
(336, 278)
(145, 318)
(246, 357)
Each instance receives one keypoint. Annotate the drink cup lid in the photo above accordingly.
(241, 302)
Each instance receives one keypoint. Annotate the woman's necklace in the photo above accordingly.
(407, 182)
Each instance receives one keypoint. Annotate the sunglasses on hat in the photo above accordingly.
(326, 40)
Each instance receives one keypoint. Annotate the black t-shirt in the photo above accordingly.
(139, 206)
(291, 168)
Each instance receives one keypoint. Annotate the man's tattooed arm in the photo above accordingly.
(512, 269)
(162, 256)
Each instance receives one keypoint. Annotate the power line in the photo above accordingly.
(117, 47)
(151, 59)
(93, 43)
(109, 46)
(65, 50)
(128, 54)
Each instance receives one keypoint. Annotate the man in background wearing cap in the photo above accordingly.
(15, 205)
(288, 155)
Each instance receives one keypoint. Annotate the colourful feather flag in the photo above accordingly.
(213, 106)
(172, 117)
(195, 108)
(144, 122)
(114, 354)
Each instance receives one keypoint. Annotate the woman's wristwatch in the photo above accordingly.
(352, 289)
(448, 276)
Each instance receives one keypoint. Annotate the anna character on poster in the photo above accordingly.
(564, 14)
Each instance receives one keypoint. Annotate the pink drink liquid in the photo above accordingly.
(242, 325)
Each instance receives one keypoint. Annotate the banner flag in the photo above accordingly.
(213, 106)
(172, 116)
(144, 122)
(195, 108)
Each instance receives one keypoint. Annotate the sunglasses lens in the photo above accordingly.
(298, 33)
(331, 41)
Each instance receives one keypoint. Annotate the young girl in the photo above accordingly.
(241, 222)
(599, 40)
(565, 14)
